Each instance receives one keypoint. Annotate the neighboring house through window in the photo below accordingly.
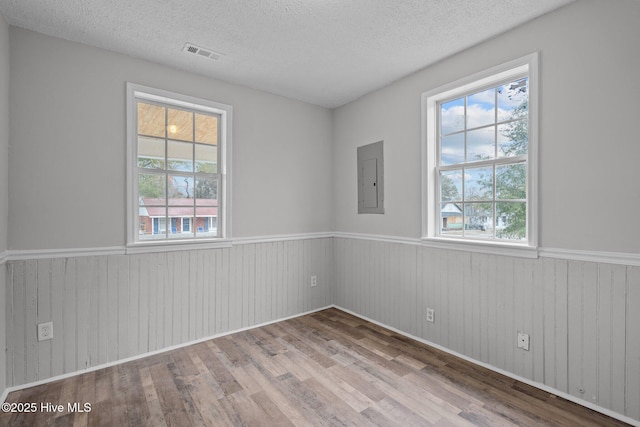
(480, 158)
(178, 150)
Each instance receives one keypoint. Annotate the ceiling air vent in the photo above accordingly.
(196, 50)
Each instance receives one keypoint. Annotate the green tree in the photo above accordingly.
(511, 181)
(448, 189)
(151, 186)
(511, 184)
(206, 189)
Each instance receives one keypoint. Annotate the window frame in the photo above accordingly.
(492, 77)
(137, 92)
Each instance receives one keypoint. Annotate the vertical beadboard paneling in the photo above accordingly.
(113, 352)
(44, 296)
(561, 347)
(70, 316)
(262, 301)
(537, 319)
(582, 317)
(31, 283)
(610, 333)
(4, 273)
(102, 299)
(58, 273)
(83, 278)
(632, 401)
(618, 347)
(222, 290)
(106, 308)
(10, 332)
(192, 305)
(18, 320)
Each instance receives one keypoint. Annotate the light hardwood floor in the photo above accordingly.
(326, 368)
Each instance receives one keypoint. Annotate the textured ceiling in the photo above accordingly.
(326, 52)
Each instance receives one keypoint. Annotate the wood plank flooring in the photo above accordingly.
(327, 368)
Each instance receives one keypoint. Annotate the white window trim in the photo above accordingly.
(134, 245)
(430, 218)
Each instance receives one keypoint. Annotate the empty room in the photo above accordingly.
(320, 212)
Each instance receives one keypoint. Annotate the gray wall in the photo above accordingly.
(68, 156)
(588, 137)
(4, 181)
(67, 126)
(583, 317)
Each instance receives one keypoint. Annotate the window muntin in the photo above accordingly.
(479, 158)
(178, 158)
(177, 174)
(481, 171)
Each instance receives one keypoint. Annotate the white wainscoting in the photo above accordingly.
(583, 317)
(106, 308)
(3, 328)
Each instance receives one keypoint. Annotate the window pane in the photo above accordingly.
(207, 129)
(206, 158)
(180, 156)
(152, 186)
(452, 149)
(180, 124)
(478, 183)
(452, 116)
(206, 226)
(152, 227)
(481, 108)
(174, 227)
(513, 139)
(511, 181)
(145, 224)
(451, 185)
(180, 225)
(481, 144)
(180, 187)
(478, 220)
(511, 219)
(513, 100)
(150, 153)
(206, 218)
(451, 219)
(151, 120)
(206, 188)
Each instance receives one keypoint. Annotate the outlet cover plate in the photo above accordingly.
(45, 331)
(523, 341)
(431, 315)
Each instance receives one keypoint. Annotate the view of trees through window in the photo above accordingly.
(177, 163)
(482, 163)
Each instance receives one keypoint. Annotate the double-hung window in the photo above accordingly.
(479, 159)
(178, 151)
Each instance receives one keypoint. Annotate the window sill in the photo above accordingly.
(493, 248)
(178, 245)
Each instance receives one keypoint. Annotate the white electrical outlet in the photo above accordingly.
(523, 341)
(45, 331)
(431, 315)
(314, 281)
